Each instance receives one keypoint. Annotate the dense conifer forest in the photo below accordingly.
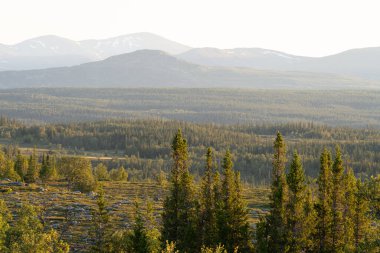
(142, 146)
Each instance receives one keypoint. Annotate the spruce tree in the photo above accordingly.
(10, 171)
(242, 235)
(298, 213)
(33, 169)
(101, 224)
(277, 220)
(5, 218)
(139, 237)
(350, 192)
(324, 204)
(178, 218)
(233, 227)
(21, 165)
(361, 219)
(44, 168)
(207, 215)
(337, 223)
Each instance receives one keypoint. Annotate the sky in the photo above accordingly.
(301, 27)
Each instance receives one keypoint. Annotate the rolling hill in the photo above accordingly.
(363, 63)
(152, 68)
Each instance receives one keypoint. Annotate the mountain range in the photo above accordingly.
(145, 59)
(53, 51)
(364, 62)
(153, 68)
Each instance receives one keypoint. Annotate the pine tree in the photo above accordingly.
(324, 204)
(178, 218)
(207, 216)
(337, 223)
(297, 211)
(278, 199)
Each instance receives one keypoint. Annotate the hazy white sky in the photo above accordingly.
(304, 27)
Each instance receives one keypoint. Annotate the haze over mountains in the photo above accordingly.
(148, 60)
(153, 68)
(53, 51)
(364, 63)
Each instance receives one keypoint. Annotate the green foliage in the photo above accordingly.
(101, 172)
(277, 220)
(119, 174)
(207, 212)
(21, 165)
(139, 236)
(232, 216)
(5, 218)
(300, 218)
(169, 248)
(27, 235)
(324, 203)
(48, 169)
(178, 218)
(10, 171)
(78, 173)
(101, 224)
(217, 249)
(32, 174)
(337, 223)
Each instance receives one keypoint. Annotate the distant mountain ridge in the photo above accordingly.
(153, 68)
(362, 62)
(53, 51)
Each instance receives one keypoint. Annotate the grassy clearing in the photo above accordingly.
(61, 206)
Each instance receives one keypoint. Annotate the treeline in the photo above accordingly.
(76, 171)
(357, 108)
(143, 144)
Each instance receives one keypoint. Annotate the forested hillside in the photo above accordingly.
(353, 108)
(142, 146)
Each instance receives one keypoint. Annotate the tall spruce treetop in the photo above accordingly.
(228, 184)
(324, 202)
(33, 170)
(279, 197)
(232, 216)
(207, 204)
(296, 176)
(178, 217)
(298, 214)
(337, 225)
